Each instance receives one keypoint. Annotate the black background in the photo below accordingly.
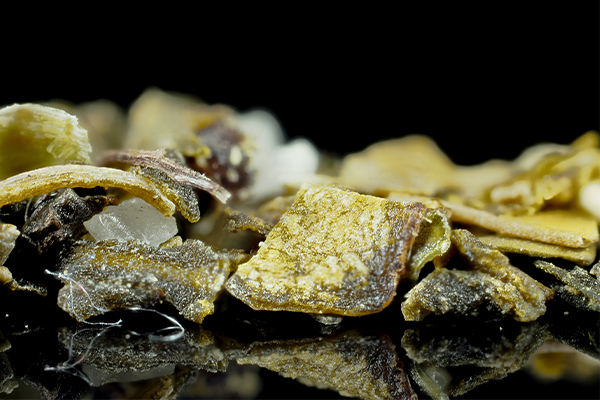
(483, 81)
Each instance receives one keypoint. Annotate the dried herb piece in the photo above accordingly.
(505, 244)
(163, 165)
(494, 284)
(236, 220)
(34, 136)
(581, 289)
(45, 180)
(333, 252)
(354, 363)
(433, 241)
(58, 218)
(8, 235)
(555, 180)
(102, 276)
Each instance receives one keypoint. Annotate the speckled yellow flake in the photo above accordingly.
(333, 252)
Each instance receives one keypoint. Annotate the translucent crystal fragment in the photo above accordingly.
(101, 276)
(333, 252)
(133, 219)
(354, 363)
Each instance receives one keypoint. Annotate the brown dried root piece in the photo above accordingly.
(45, 180)
(494, 284)
(101, 276)
(354, 363)
(333, 252)
(581, 289)
(179, 173)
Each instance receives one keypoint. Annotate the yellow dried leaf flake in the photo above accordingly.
(333, 252)
(34, 136)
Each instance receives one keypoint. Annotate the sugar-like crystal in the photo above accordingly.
(132, 219)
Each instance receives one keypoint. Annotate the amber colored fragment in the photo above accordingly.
(506, 244)
(581, 289)
(494, 284)
(100, 276)
(333, 252)
(354, 363)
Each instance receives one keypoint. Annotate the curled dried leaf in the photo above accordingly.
(179, 173)
(45, 180)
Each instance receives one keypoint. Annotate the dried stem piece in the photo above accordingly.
(44, 180)
(179, 173)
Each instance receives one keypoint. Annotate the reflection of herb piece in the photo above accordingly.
(45, 180)
(34, 136)
(179, 173)
(580, 290)
(354, 363)
(106, 275)
(333, 252)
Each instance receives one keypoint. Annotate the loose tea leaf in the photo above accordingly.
(102, 276)
(333, 252)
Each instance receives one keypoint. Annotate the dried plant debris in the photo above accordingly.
(8, 235)
(580, 288)
(59, 216)
(237, 220)
(333, 252)
(106, 275)
(433, 241)
(354, 363)
(45, 180)
(34, 136)
(169, 166)
(492, 283)
(583, 256)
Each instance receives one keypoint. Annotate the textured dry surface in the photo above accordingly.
(353, 363)
(100, 276)
(334, 251)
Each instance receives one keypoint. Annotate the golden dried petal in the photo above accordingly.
(333, 252)
(505, 244)
(355, 364)
(34, 136)
(100, 276)
(45, 180)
